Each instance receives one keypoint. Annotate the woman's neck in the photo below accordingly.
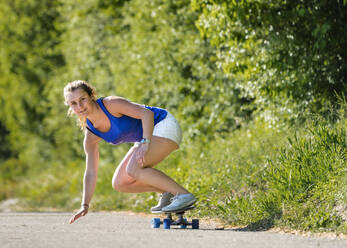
(96, 114)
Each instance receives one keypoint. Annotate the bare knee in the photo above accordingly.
(116, 185)
(118, 182)
(119, 186)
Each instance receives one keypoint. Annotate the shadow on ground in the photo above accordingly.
(258, 226)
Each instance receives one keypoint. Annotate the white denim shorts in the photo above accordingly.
(168, 128)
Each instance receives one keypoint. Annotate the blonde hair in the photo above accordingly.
(89, 89)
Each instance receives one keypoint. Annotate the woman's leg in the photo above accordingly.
(159, 148)
(122, 182)
(131, 177)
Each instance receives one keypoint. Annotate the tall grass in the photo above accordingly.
(299, 188)
(303, 186)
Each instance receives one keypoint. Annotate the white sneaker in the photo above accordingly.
(180, 201)
(164, 200)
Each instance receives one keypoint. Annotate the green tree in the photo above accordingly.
(288, 53)
(27, 60)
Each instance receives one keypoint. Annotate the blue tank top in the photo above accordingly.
(124, 129)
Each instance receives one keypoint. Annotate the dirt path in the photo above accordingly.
(112, 229)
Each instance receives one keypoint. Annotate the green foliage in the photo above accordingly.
(279, 51)
(27, 60)
(240, 76)
(303, 186)
(307, 161)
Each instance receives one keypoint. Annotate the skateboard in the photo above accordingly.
(181, 221)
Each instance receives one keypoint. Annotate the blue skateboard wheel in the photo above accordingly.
(167, 223)
(195, 224)
(184, 225)
(155, 222)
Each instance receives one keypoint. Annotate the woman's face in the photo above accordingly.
(80, 102)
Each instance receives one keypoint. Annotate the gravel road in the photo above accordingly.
(113, 229)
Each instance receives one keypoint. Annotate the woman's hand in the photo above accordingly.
(141, 152)
(82, 212)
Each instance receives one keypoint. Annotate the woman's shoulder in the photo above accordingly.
(114, 104)
(109, 101)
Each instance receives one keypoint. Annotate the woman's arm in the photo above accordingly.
(91, 148)
(119, 106)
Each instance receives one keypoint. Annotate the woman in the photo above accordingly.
(155, 132)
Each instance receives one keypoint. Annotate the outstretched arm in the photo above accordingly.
(91, 148)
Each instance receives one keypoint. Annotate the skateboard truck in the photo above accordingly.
(181, 221)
